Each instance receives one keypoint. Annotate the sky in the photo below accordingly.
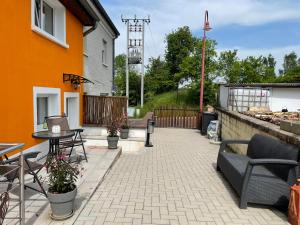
(253, 27)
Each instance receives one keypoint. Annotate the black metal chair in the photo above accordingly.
(77, 140)
(30, 167)
(4, 204)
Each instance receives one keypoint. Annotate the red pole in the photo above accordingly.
(202, 73)
(205, 28)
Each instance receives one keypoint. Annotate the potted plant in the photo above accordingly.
(62, 188)
(124, 128)
(112, 137)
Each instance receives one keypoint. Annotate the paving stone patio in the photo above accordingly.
(37, 209)
(174, 182)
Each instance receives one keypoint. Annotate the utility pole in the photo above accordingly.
(127, 67)
(135, 48)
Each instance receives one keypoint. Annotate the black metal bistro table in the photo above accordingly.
(53, 138)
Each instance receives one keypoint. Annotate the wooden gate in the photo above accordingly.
(102, 110)
(177, 117)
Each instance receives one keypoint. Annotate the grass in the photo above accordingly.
(167, 99)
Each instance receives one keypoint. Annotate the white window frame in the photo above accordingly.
(59, 23)
(54, 103)
(77, 110)
(104, 53)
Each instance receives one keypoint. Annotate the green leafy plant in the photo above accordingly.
(125, 124)
(113, 128)
(62, 175)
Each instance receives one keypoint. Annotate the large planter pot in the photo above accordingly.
(112, 142)
(124, 133)
(62, 205)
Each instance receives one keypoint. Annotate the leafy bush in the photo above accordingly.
(62, 175)
(113, 128)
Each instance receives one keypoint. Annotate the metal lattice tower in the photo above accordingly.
(135, 48)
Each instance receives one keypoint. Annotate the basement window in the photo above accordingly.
(49, 20)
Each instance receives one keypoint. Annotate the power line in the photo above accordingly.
(153, 40)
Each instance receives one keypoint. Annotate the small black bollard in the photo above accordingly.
(150, 130)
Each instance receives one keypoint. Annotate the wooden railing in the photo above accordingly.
(102, 110)
(177, 117)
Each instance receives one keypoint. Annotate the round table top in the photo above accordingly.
(50, 135)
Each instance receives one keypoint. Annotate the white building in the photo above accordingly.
(275, 96)
(99, 54)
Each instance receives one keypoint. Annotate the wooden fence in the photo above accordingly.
(177, 117)
(102, 110)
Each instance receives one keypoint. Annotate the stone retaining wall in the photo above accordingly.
(238, 126)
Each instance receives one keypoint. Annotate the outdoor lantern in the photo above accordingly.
(150, 130)
(56, 129)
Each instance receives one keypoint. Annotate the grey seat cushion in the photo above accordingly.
(234, 167)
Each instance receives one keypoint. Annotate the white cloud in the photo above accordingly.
(167, 15)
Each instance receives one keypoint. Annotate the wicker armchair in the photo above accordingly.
(265, 174)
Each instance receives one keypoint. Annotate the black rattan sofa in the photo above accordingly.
(265, 174)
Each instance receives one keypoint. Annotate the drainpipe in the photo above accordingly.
(90, 30)
(113, 68)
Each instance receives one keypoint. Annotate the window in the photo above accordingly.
(42, 109)
(104, 53)
(44, 16)
(46, 103)
(48, 19)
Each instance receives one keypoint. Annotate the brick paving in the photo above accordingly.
(174, 182)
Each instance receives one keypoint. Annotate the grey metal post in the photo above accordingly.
(143, 64)
(22, 196)
(127, 66)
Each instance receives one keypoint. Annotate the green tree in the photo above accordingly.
(190, 68)
(269, 70)
(252, 70)
(180, 44)
(190, 71)
(120, 80)
(229, 66)
(258, 69)
(291, 69)
(157, 78)
(290, 62)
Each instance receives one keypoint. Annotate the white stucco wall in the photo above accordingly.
(279, 98)
(285, 97)
(94, 70)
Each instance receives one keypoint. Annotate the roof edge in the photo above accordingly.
(262, 85)
(106, 17)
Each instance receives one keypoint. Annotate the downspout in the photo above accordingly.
(113, 67)
(90, 30)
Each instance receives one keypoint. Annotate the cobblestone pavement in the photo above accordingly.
(174, 182)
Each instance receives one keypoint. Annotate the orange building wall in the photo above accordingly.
(28, 59)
